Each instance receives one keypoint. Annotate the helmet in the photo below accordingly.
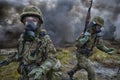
(31, 11)
(98, 20)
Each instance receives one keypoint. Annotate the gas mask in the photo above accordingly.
(29, 34)
(95, 27)
(98, 29)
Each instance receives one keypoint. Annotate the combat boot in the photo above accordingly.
(70, 73)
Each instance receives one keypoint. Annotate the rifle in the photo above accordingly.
(88, 17)
(8, 60)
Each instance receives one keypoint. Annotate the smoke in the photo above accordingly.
(62, 22)
(117, 23)
(63, 19)
(9, 23)
(109, 10)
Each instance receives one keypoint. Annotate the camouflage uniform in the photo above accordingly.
(43, 62)
(85, 44)
(37, 58)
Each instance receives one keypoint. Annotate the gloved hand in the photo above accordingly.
(37, 73)
(111, 51)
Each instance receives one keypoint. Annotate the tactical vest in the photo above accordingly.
(86, 48)
(31, 54)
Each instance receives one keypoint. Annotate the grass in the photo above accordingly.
(106, 59)
(8, 72)
(68, 60)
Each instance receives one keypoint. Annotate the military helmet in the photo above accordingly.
(31, 11)
(98, 20)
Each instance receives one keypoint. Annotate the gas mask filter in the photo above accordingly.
(29, 34)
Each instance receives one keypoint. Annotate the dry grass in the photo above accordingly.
(8, 72)
(68, 60)
(106, 59)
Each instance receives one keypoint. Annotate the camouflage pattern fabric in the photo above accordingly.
(31, 11)
(37, 66)
(98, 20)
(83, 54)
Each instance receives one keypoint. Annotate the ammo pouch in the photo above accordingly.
(23, 69)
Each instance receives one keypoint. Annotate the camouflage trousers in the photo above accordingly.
(51, 75)
(83, 63)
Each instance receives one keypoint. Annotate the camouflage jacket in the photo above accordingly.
(28, 55)
(88, 41)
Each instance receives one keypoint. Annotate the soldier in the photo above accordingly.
(85, 44)
(36, 53)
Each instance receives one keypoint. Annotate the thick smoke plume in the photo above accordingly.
(63, 19)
